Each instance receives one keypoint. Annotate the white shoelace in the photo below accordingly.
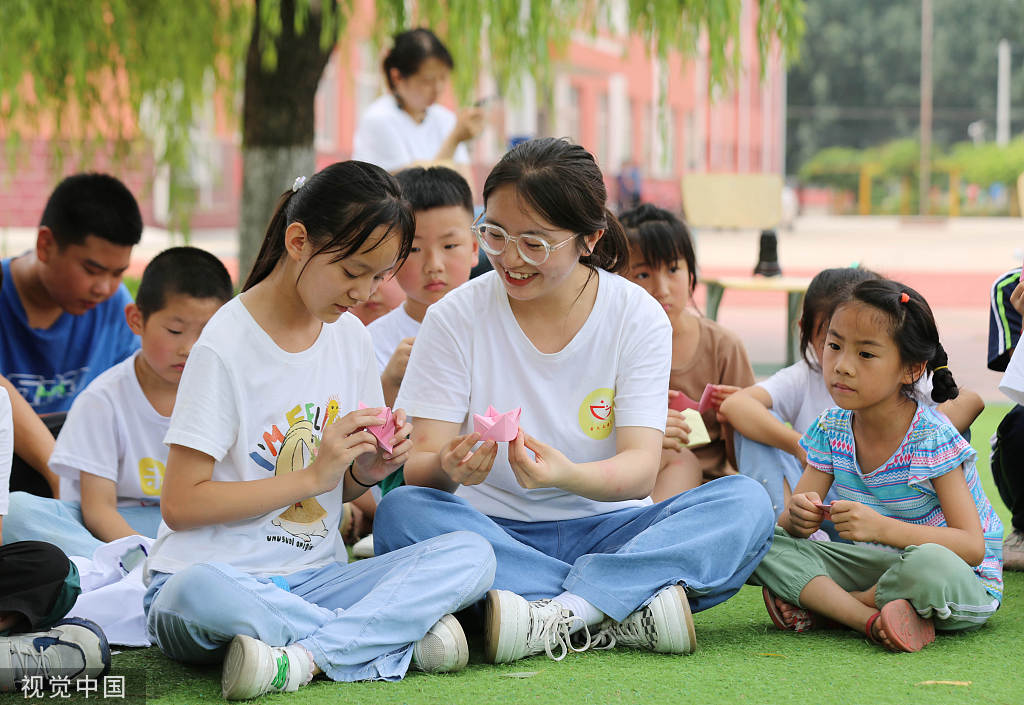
(628, 633)
(554, 632)
(32, 662)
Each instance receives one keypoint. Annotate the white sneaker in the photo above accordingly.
(252, 668)
(72, 648)
(363, 548)
(516, 628)
(664, 625)
(443, 649)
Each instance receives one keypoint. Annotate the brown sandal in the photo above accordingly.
(907, 630)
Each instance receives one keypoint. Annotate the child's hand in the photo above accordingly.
(804, 517)
(721, 392)
(464, 465)
(677, 431)
(547, 468)
(857, 522)
(395, 370)
(374, 467)
(342, 442)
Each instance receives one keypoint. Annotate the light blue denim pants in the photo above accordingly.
(709, 539)
(32, 518)
(359, 620)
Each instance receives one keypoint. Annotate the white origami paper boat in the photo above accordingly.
(493, 426)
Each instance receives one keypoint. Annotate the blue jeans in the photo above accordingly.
(359, 620)
(32, 518)
(709, 539)
(769, 466)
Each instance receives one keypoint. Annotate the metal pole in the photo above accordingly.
(924, 182)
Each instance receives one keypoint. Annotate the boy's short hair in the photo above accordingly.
(187, 271)
(92, 204)
(435, 187)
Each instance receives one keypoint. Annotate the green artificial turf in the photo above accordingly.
(741, 658)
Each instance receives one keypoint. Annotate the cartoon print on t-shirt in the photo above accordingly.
(303, 519)
(597, 413)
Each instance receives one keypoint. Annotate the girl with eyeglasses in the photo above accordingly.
(554, 330)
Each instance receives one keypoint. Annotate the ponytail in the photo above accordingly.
(943, 385)
(611, 252)
(272, 248)
(341, 207)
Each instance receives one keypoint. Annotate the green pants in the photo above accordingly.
(936, 581)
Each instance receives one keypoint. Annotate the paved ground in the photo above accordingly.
(951, 262)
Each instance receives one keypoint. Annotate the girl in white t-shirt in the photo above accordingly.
(407, 124)
(585, 354)
(266, 442)
(767, 449)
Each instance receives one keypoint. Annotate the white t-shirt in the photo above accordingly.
(388, 331)
(6, 448)
(1012, 383)
(799, 394)
(113, 431)
(471, 354)
(259, 411)
(388, 136)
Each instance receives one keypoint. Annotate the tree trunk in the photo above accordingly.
(277, 121)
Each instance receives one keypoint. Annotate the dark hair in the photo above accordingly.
(411, 49)
(562, 182)
(828, 289)
(912, 326)
(435, 187)
(185, 271)
(660, 237)
(92, 204)
(340, 207)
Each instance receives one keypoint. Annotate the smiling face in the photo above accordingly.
(422, 89)
(169, 334)
(524, 281)
(861, 362)
(668, 284)
(443, 253)
(80, 277)
(327, 288)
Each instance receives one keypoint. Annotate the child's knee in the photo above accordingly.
(931, 559)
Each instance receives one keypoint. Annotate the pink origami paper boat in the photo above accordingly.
(681, 401)
(384, 434)
(493, 426)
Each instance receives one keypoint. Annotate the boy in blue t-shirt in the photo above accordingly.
(62, 304)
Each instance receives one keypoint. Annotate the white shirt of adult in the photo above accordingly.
(388, 331)
(390, 138)
(259, 411)
(471, 353)
(112, 431)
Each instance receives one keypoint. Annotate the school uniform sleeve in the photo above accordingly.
(817, 444)
(938, 449)
(6, 448)
(206, 416)
(1004, 323)
(641, 381)
(437, 380)
(89, 441)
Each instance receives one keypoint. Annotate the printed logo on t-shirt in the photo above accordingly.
(303, 522)
(597, 413)
(151, 476)
(39, 390)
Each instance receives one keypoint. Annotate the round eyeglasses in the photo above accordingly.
(533, 249)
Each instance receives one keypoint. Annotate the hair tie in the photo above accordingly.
(904, 297)
(940, 367)
(299, 181)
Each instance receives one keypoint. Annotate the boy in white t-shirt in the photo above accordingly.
(110, 453)
(443, 253)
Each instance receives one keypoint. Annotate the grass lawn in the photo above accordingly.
(741, 658)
